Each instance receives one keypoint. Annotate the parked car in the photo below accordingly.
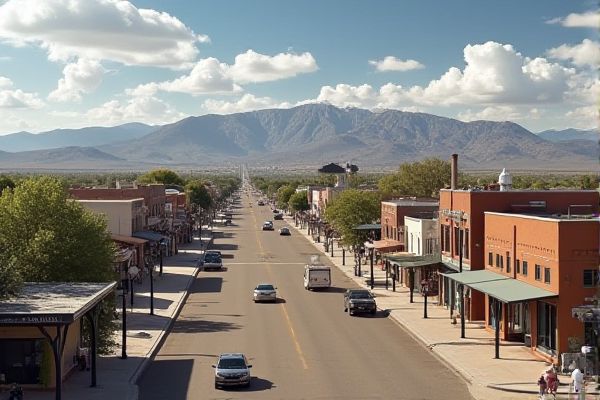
(212, 261)
(268, 226)
(284, 231)
(278, 216)
(359, 301)
(260, 203)
(265, 292)
(275, 211)
(232, 369)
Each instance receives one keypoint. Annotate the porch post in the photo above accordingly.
(411, 278)
(372, 277)
(92, 318)
(343, 256)
(497, 344)
(462, 311)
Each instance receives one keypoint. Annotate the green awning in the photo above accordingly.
(410, 260)
(367, 227)
(500, 287)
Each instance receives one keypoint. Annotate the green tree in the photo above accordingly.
(351, 208)
(47, 237)
(162, 175)
(6, 182)
(298, 202)
(422, 178)
(283, 196)
(198, 194)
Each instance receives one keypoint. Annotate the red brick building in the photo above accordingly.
(392, 218)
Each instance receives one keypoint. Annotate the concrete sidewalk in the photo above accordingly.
(116, 377)
(513, 376)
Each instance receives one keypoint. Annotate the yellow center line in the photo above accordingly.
(285, 313)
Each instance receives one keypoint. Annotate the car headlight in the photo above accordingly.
(220, 375)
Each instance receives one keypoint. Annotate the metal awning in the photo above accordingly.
(128, 239)
(387, 245)
(150, 235)
(503, 288)
(367, 227)
(409, 260)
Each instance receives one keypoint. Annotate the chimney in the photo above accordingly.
(454, 172)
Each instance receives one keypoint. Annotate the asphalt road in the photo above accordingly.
(302, 347)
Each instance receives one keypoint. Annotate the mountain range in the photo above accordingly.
(305, 136)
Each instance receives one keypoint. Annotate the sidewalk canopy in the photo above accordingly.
(367, 227)
(128, 239)
(409, 260)
(387, 245)
(152, 236)
(503, 288)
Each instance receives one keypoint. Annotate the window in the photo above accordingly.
(546, 327)
(507, 262)
(518, 266)
(590, 278)
(456, 240)
(546, 275)
(466, 244)
(446, 241)
(538, 272)
(490, 259)
(499, 261)
(524, 267)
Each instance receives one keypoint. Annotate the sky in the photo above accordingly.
(77, 63)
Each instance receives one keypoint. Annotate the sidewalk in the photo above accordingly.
(513, 376)
(116, 377)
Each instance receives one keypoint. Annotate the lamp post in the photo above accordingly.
(371, 248)
(122, 288)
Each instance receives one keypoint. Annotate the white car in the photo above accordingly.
(232, 369)
(265, 292)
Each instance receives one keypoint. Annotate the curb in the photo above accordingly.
(163, 335)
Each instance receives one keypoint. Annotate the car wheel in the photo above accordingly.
(350, 312)
(216, 386)
(345, 309)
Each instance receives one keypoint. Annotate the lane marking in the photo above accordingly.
(285, 313)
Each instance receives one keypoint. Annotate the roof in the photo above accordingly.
(52, 303)
(110, 201)
(549, 217)
(410, 260)
(128, 239)
(332, 169)
(386, 245)
(412, 203)
(150, 235)
(500, 287)
(367, 227)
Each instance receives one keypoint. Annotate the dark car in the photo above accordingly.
(359, 301)
(284, 231)
(278, 216)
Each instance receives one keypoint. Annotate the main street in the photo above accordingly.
(302, 347)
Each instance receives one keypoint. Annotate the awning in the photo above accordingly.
(367, 227)
(410, 260)
(152, 236)
(503, 288)
(387, 245)
(128, 239)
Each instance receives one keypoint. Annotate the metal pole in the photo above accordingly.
(161, 260)
(462, 311)
(425, 305)
(131, 292)
(124, 327)
(497, 344)
(451, 294)
(394, 279)
(359, 270)
(331, 246)
(460, 250)
(372, 277)
(411, 278)
(343, 256)
(387, 274)
(152, 291)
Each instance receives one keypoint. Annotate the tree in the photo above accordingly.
(198, 194)
(6, 182)
(47, 237)
(420, 179)
(351, 208)
(298, 202)
(283, 196)
(162, 175)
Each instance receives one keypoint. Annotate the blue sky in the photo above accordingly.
(74, 63)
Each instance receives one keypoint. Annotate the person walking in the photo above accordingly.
(551, 381)
(543, 385)
(577, 381)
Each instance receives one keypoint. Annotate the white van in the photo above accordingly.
(317, 276)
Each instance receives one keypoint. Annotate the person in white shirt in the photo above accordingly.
(577, 380)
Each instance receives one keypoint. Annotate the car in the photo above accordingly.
(265, 292)
(275, 211)
(268, 226)
(232, 369)
(359, 301)
(284, 231)
(217, 252)
(260, 203)
(212, 261)
(278, 216)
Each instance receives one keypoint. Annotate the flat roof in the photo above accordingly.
(411, 203)
(52, 303)
(521, 191)
(410, 260)
(109, 201)
(547, 217)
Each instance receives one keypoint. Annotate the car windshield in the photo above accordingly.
(212, 258)
(232, 363)
(360, 295)
(265, 287)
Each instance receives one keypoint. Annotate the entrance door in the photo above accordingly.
(21, 359)
(546, 339)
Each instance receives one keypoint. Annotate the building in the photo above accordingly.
(422, 239)
(393, 213)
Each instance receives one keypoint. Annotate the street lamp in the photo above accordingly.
(122, 288)
(371, 248)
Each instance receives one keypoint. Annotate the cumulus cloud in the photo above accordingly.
(585, 117)
(208, 76)
(5, 82)
(585, 53)
(391, 63)
(494, 74)
(499, 113)
(247, 102)
(84, 76)
(255, 67)
(142, 108)
(590, 19)
(16, 98)
(99, 29)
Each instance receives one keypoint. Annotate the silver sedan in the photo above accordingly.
(265, 292)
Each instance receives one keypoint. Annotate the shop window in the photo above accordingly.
(518, 266)
(21, 360)
(490, 259)
(546, 327)
(590, 278)
(499, 261)
(525, 268)
(466, 244)
(456, 240)
(538, 272)
(546, 275)
(507, 263)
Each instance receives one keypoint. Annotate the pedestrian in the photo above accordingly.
(551, 381)
(542, 384)
(577, 380)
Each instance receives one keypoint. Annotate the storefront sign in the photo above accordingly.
(33, 320)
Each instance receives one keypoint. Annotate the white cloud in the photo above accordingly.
(343, 95)
(203, 39)
(255, 67)
(590, 19)
(391, 63)
(585, 53)
(248, 102)
(99, 29)
(499, 113)
(143, 108)
(585, 117)
(208, 76)
(16, 98)
(84, 76)
(5, 82)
